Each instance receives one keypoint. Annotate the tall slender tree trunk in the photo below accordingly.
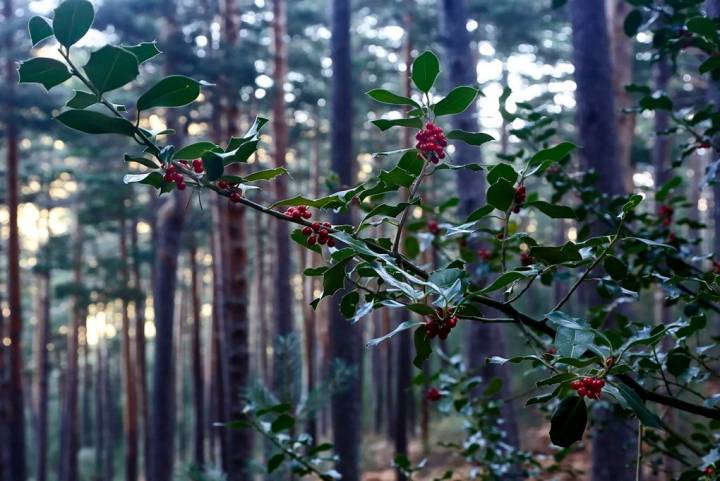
(69, 443)
(623, 60)
(42, 336)
(109, 410)
(170, 224)
(613, 444)
(17, 468)
(197, 364)
(483, 339)
(235, 335)
(345, 338)
(130, 415)
(100, 414)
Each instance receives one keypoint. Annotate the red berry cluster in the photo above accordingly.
(665, 212)
(441, 323)
(433, 227)
(484, 254)
(590, 387)
(520, 195)
(433, 394)
(172, 175)
(197, 166)
(431, 142)
(526, 259)
(299, 212)
(318, 233)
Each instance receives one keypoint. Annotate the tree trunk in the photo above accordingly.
(130, 415)
(345, 338)
(68, 469)
(623, 60)
(16, 468)
(484, 340)
(100, 410)
(613, 444)
(42, 336)
(197, 364)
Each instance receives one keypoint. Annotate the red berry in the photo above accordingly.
(315, 226)
(433, 227)
(322, 240)
(169, 177)
(181, 185)
(307, 231)
(331, 242)
(235, 197)
(312, 240)
(327, 224)
(306, 214)
(222, 184)
(323, 233)
(198, 169)
(433, 394)
(582, 392)
(576, 384)
(452, 322)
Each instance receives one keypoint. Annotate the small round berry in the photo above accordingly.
(307, 231)
(331, 242)
(315, 226)
(452, 322)
(169, 177)
(323, 233)
(181, 185)
(223, 184)
(576, 384)
(312, 240)
(433, 394)
(582, 392)
(327, 224)
(306, 214)
(235, 197)
(322, 240)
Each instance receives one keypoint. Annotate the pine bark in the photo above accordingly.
(345, 338)
(613, 444)
(197, 364)
(17, 468)
(42, 336)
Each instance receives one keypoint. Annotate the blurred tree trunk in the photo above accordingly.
(623, 62)
(261, 298)
(345, 338)
(235, 342)
(109, 431)
(713, 10)
(484, 340)
(169, 228)
(68, 469)
(100, 409)
(614, 441)
(130, 418)
(17, 468)
(42, 337)
(140, 355)
(282, 310)
(197, 364)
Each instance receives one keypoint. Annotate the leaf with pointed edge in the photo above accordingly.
(423, 349)
(213, 165)
(275, 462)
(111, 67)
(284, 422)
(425, 69)
(404, 326)
(480, 213)
(567, 424)
(82, 99)
(143, 51)
(502, 171)
(555, 153)
(267, 174)
(141, 160)
(703, 26)
(150, 178)
(172, 91)
(72, 21)
(647, 417)
(457, 101)
(46, 71)
(385, 124)
(300, 238)
(508, 278)
(501, 194)
(471, 138)
(95, 123)
(40, 29)
(632, 23)
(194, 151)
(387, 97)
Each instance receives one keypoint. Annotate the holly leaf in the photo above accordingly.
(567, 424)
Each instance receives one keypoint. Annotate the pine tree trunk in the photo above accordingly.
(614, 441)
(68, 469)
(484, 340)
(100, 412)
(345, 338)
(130, 415)
(197, 364)
(42, 336)
(17, 468)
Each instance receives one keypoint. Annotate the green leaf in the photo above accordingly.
(647, 417)
(616, 268)
(404, 326)
(387, 97)
(81, 100)
(471, 138)
(46, 71)
(284, 422)
(172, 91)
(425, 70)
(72, 21)
(553, 211)
(423, 349)
(213, 165)
(677, 362)
(656, 102)
(508, 278)
(267, 174)
(111, 67)
(194, 151)
(457, 101)
(275, 462)
(554, 154)
(501, 194)
(630, 205)
(556, 379)
(502, 171)
(348, 304)
(567, 424)
(478, 214)
(632, 23)
(141, 160)
(573, 343)
(411, 163)
(385, 124)
(40, 29)
(551, 255)
(334, 278)
(702, 26)
(143, 51)
(150, 178)
(95, 123)
(301, 239)
(709, 65)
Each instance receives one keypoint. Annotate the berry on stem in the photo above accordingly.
(235, 197)
(433, 394)
(431, 142)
